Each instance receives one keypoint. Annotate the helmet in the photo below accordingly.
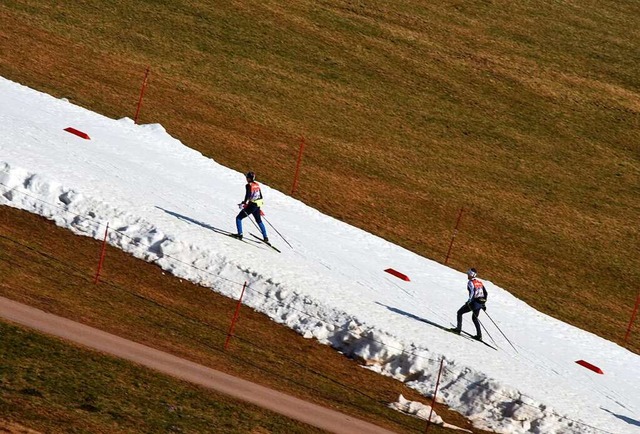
(471, 272)
(251, 176)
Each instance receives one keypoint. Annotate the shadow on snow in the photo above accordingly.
(197, 222)
(412, 316)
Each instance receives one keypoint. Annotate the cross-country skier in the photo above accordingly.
(251, 206)
(477, 299)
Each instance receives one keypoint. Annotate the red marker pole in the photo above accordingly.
(144, 86)
(235, 317)
(433, 401)
(101, 261)
(295, 177)
(633, 318)
(455, 232)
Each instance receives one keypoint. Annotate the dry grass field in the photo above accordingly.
(51, 387)
(527, 114)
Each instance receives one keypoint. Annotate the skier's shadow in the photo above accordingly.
(624, 418)
(410, 315)
(194, 221)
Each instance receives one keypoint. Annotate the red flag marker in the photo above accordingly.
(397, 274)
(590, 366)
(77, 133)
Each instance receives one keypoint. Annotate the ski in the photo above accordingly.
(458, 334)
(249, 241)
(266, 243)
(470, 337)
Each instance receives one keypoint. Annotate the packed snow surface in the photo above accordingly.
(166, 203)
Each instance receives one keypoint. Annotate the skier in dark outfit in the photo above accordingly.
(251, 206)
(477, 299)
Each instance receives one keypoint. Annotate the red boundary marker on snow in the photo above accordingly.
(77, 133)
(397, 274)
(590, 366)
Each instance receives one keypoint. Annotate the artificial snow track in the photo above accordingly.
(165, 201)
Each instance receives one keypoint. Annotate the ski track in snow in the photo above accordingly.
(164, 203)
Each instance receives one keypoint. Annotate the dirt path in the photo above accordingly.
(90, 337)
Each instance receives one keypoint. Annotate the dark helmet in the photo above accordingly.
(472, 273)
(251, 176)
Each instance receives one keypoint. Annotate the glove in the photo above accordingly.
(241, 205)
(484, 307)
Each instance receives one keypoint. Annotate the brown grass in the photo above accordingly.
(526, 114)
(50, 268)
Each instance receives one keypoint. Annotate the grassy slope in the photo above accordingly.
(52, 269)
(527, 114)
(95, 393)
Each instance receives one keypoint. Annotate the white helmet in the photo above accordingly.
(471, 272)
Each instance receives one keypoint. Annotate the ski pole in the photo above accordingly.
(487, 332)
(269, 223)
(494, 323)
(254, 223)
